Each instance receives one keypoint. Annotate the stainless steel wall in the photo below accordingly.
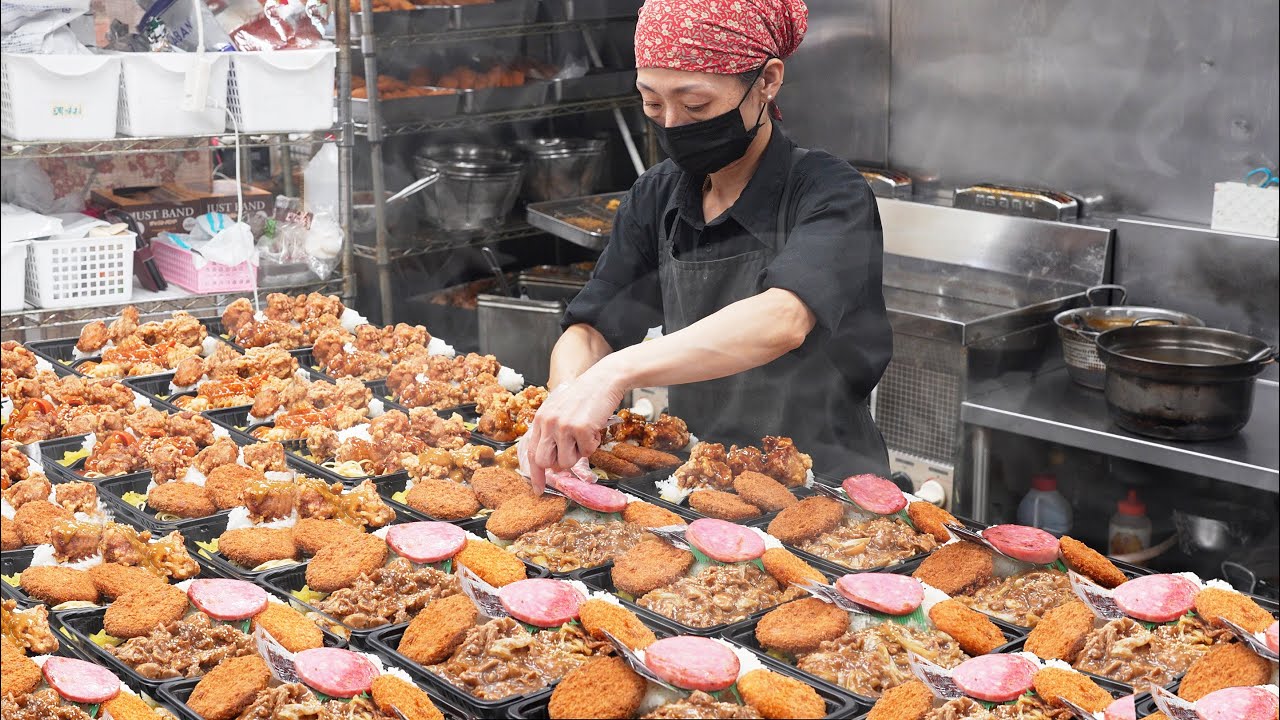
(1150, 101)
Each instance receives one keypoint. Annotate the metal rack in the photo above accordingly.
(375, 131)
(62, 321)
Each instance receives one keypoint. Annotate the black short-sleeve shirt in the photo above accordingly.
(832, 259)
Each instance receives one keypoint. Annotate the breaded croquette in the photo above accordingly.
(442, 499)
(495, 485)
(53, 585)
(645, 458)
(788, 569)
(614, 466)
(801, 625)
(1090, 563)
(311, 535)
(763, 491)
(34, 520)
(493, 564)
(598, 615)
(229, 688)
(976, 633)
(647, 514)
(19, 675)
(722, 505)
(956, 567)
(434, 633)
(9, 537)
(1053, 684)
(127, 706)
(289, 627)
(649, 565)
(183, 499)
(525, 513)
(908, 701)
(226, 484)
(338, 566)
(605, 687)
(139, 611)
(777, 697)
(1061, 632)
(929, 518)
(807, 519)
(1229, 665)
(251, 547)
(1215, 603)
(113, 579)
(393, 695)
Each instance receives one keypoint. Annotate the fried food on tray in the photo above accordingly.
(225, 485)
(443, 499)
(649, 565)
(289, 627)
(34, 521)
(647, 514)
(113, 579)
(436, 631)
(53, 585)
(29, 488)
(777, 697)
(395, 698)
(1213, 604)
(1090, 563)
(136, 612)
(127, 706)
(506, 417)
(524, 514)
(763, 491)
(493, 564)
(801, 625)
(976, 634)
(27, 629)
(643, 457)
(956, 567)
(788, 570)
(1056, 684)
(186, 500)
(807, 519)
(495, 485)
(614, 466)
(722, 505)
(908, 701)
(665, 434)
(605, 687)
(929, 518)
(251, 547)
(9, 537)
(1061, 632)
(229, 688)
(20, 675)
(1230, 665)
(599, 616)
(311, 535)
(338, 566)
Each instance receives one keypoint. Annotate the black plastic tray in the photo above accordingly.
(83, 623)
(156, 387)
(61, 352)
(113, 490)
(51, 456)
(174, 694)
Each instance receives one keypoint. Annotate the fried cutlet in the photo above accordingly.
(496, 485)
(493, 564)
(807, 519)
(1229, 665)
(251, 547)
(956, 567)
(647, 514)
(229, 688)
(645, 458)
(393, 695)
(338, 566)
(908, 701)
(649, 565)
(1215, 603)
(113, 579)
(1090, 563)
(525, 513)
(788, 570)
(1060, 634)
(777, 697)
(435, 632)
(1053, 684)
(35, 519)
(138, 611)
(127, 706)
(182, 499)
(605, 687)
(289, 627)
(929, 518)
(722, 505)
(975, 632)
(19, 675)
(53, 585)
(763, 491)
(614, 466)
(311, 535)
(801, 625)
(442, 499)
(9, 537)
(226, 484)
(598, 615)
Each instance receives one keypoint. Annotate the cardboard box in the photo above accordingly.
(163, 208)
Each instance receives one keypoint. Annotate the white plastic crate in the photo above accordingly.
(152, 88)
(282, 91)
(60, 97)
(80, 271)
(13, 268)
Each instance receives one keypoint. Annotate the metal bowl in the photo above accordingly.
(561, 168)
(477, 189)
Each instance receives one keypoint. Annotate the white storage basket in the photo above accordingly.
(80, 271)
(152, 88)
(60, 97)
(13, 274)
(282, 91)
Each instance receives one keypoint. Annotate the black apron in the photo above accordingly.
(837, 432)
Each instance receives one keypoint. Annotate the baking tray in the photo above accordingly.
(550, 216)
(83, 623)
(580, 10)
(596, 84)
(399, 111)
(532, 94)
(499, 13)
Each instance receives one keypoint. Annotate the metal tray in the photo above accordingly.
(398, 111)
(500, 99)
(600, 83)
(579, 10)
(500, 13)
(551, 217)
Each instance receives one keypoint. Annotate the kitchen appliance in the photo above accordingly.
(558, 168)
(477, 188)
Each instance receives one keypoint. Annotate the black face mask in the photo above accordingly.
(703, 147)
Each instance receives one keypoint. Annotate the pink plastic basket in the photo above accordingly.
(178, 267)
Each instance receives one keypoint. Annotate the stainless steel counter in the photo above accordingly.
(1050, 407)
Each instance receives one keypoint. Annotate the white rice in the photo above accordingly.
(376, 408)
(88, 444)
(185, 585)
(351, 320)
(355, 431)
(193, 476)
(140, 401)
(496, 540)
(40, 660)
(279, 476)
(770, 542)
(349, 348)
(42, 364)
(175, 389)
(78, 354)
(436, 346)
(259, 316)
(43, 556)
(220, 432)
(239, 519)
(655, 697)
(382, 532)
(209, 345)
(747, 660)
(473, 536)
(510, 380)
(6, 407)
(669, 489)
(6, 510)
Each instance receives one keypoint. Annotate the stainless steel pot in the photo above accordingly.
(559, 168)
(1181, 383)
(477, 189)
(1079, 328)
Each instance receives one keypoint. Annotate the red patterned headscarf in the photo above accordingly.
(726, 37)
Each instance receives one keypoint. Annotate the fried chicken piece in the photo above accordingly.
(191, 425)
(9, 537)
(35, 519)
(18, 359)
(35, 487)
(170, 555)
(93, 337)
(976, 634)
(221, 453)
(270, 499)
(667, 433)
(707, 467)
(225, 485)
(77, 496)
(168, 457)
(28, 629)
(122, 544)
(436, 631)
(784, 463)
(266, 457)
(746, 459)
(75, 540)
(21, 676)
(237, 313)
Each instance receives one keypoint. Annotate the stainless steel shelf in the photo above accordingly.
(430, 240)
(134, 145)
(507, 116)
(387, 42)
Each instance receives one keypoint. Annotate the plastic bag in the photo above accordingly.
(284, 25)
(24, 183)
(176, 21)
(42, 26)
(323, 245)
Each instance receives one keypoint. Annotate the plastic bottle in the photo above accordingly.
(1044, 507)
(1130, 529)
(320, 181)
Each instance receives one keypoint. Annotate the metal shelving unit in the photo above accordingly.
(431, 241)
(153, 145)
(507, 116)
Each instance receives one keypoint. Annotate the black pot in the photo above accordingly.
(1181, 383)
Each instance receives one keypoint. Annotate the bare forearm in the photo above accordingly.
(580, 347)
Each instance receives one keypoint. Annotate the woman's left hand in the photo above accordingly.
(568, 425)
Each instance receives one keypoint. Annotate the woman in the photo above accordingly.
(760, 260)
